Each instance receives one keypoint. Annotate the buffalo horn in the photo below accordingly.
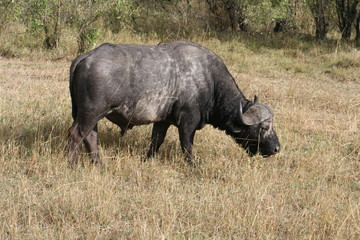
(255, 114)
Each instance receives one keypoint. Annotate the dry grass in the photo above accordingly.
(311, 190)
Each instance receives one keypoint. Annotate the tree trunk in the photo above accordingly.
(318, 9)
(357, 23)
(357, 29)
(188, 12)
(346, 31)
(52, 28)
(346, 11)
(280, 26)
(321, 28)
(236, 15)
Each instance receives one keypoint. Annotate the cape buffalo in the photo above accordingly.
(178, 83)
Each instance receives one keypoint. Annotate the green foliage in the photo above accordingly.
(35, 12)
(46, 20)
(263, 14)
(10, 11)
(264, 7)
(87, 39)
(82, 16)
(281, 9)
(121, 14)
(171, 19)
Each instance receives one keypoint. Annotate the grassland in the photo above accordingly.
(311, 190)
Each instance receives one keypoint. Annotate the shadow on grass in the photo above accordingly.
(137, 141)
(45, 134)
(51, 135)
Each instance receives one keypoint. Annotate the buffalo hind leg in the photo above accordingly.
(74, 144)
(77, 134)
(90, 142)
(186, 142)
(157, 137)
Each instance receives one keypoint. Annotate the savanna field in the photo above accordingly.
(310, 190)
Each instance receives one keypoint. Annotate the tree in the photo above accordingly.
(9, 11)
(346, 12)
(236, 14)
(82, 16)
(121, 14)
(235, 10)
(357, 23)
(46, 16)
(89, 16)
(263, 14)
(282, 14)
(320, 11)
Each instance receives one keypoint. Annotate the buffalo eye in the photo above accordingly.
(264, 129)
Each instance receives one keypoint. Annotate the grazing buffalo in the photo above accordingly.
(178, 83)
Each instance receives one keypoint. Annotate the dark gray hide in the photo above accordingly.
(177, 83)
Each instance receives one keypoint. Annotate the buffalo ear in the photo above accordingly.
(255, 114)
(234, 126)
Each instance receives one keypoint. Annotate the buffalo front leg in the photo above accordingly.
(90, 142)
(157, 137)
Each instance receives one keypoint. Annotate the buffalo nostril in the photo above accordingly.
(277, 149)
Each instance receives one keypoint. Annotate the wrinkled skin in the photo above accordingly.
(178, 83)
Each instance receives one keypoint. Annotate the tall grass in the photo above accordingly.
(311, 190)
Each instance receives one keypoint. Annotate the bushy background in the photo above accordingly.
(74, 26)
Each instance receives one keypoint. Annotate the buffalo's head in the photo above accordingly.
(253, 129)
